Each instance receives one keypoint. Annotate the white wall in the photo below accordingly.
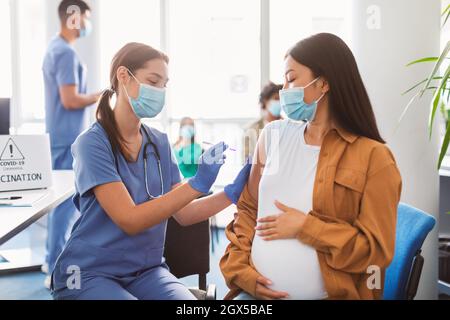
(408, 30)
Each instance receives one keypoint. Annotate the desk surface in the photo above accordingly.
(13, 220)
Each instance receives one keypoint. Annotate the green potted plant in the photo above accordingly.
(438, 82)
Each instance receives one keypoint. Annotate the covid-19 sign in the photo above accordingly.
(25, 162)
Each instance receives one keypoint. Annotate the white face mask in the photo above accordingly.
(187, 131)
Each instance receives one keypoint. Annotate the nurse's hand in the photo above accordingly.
(208, 168)
(285, 225)
(264, 293)
(234, 190)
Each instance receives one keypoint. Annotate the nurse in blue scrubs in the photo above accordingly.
(127, 186)
(66, 112)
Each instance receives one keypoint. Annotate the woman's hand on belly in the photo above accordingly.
(264, 293)
(285, 225)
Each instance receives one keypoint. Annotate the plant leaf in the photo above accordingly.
(436, 67)
(444, 146)
(446, 19)
(437, 98)
(444, 111)
(418, 84)
(428, 59)
(446, 11)
(448, 95)
(434, 106)
(406, 109)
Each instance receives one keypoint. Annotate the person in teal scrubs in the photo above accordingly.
(66, 100)
(187, 150)
(128, 185)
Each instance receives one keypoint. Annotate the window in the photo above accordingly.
(293, 20)
(31, 36)
(214, 49)
(126, 21)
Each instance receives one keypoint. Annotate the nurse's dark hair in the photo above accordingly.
(133, 56)
(329, 57)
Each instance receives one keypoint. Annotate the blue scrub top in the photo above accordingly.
(61, 67)
(97, 245)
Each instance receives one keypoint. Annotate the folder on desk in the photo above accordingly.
(26, 200)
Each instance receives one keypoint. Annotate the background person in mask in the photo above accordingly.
(187, 151)
(127, 186)
(269, 102)
(66, 100)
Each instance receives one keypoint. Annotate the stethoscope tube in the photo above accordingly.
(158, 159)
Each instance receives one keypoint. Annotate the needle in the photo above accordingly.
(211, 144)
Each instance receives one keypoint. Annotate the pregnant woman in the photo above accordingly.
(323, 194)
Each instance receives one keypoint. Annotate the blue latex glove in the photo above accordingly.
(234, 190)
(208, 167)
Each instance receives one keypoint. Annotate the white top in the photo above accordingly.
(288, 177)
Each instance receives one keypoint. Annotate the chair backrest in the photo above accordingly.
(413, 226)
(187, 250)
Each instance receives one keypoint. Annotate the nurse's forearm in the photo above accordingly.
(81, 101)
(115, 199)
(201, 209)
(72, 100)
(151, 213)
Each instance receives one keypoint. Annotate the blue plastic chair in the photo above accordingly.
(403, 274)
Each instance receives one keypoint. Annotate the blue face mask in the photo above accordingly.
(275, 108)
(294, 105)
(187, 132)
(150, 101)
(84, 32)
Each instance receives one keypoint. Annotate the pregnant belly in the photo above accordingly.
(292, 266)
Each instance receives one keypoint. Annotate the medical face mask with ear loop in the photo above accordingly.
(87, 29)
(274, 108)
(149, 102)
(294, 105)
(187, 131)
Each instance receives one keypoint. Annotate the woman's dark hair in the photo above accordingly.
(268, 92)
(133, 56)
(329, 57)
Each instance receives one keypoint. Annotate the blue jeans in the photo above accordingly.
(61, 219)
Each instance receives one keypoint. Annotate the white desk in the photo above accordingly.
(14, 220)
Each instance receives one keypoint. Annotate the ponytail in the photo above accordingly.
(105, 116)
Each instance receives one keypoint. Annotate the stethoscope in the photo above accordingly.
(145, 156)
(158, 159)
